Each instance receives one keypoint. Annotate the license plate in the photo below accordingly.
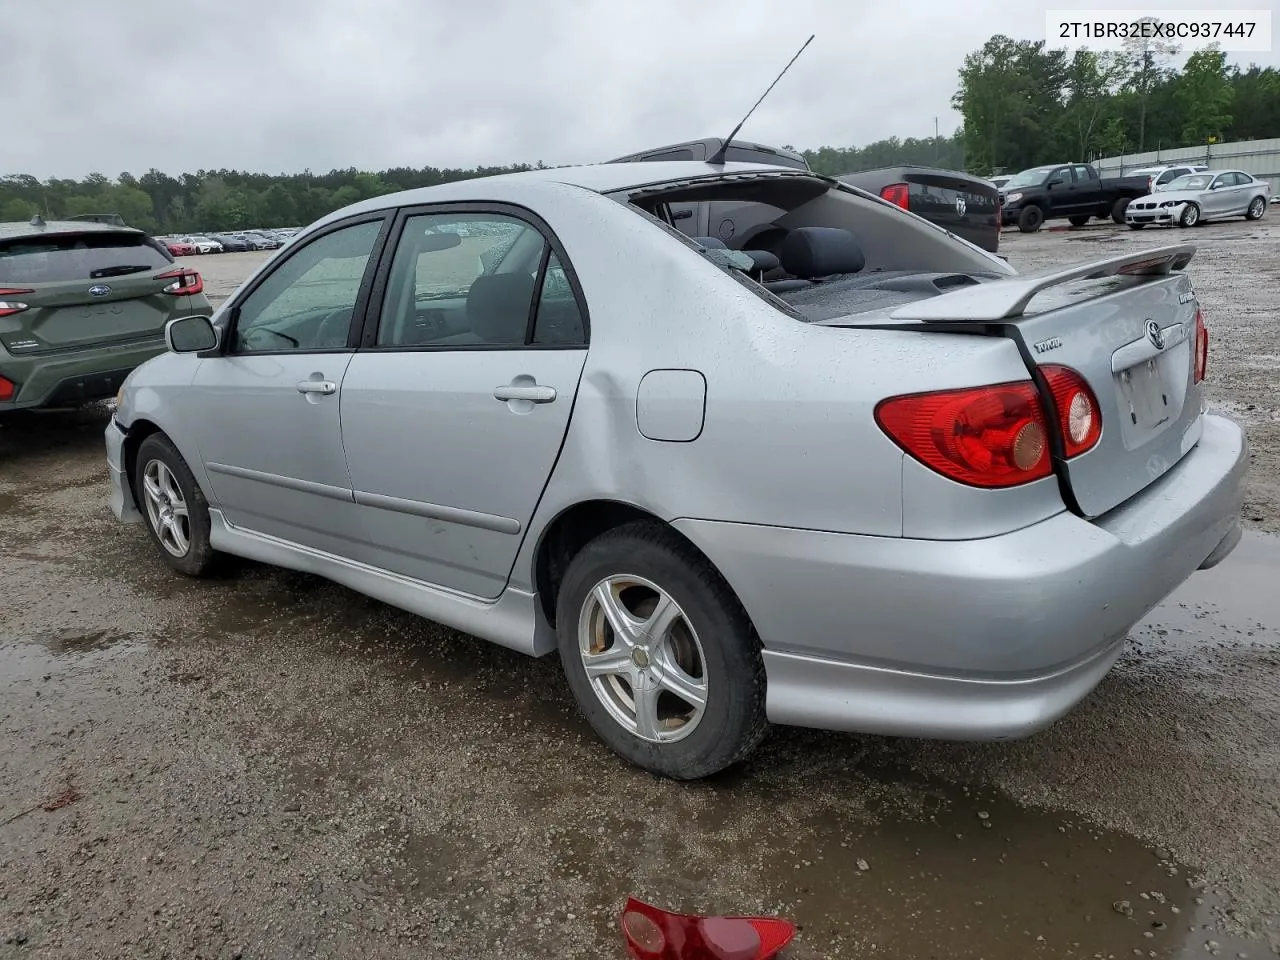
(1142, 386)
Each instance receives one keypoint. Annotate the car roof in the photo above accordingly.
(14, 229)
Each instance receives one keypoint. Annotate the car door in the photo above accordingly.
(1060, 190)
(267, 406)
(1238, 194)
(1217, 199)
(455, 407)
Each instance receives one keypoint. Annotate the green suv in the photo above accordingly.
(81, 305)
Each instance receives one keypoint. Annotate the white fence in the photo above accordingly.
(1258, 157)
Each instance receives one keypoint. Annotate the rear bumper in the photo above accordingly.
(66, 380)
(976, 639)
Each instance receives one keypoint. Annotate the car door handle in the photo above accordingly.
(326, 387)
(534, 393)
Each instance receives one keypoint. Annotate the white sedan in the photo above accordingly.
(1197, 197)
(204, 244)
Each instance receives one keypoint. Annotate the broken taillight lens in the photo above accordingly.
(1202, 347)
(655, 934)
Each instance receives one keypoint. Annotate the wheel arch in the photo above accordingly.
(571, 530)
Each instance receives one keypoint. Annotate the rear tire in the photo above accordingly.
(1118, 208)
(173, 507)
(1257, 207)
(1190, 216)
(1030, 219)
(703, 648)
(1078, 221)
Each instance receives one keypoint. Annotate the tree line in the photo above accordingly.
(1022, 104)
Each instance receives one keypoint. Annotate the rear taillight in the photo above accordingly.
(654, 934)
(995, 436)
(897, 193)
(186, 283)
(1202, 347)
(8, 389)
(1079, 417)
(9, 307)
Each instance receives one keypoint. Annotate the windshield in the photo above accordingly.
(1030, 178)
(1192, 181)
(77, 256)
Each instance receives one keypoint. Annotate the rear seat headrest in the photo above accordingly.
(821, 252)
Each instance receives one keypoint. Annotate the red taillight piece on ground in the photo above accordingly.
(186, 283)
(9, 306)
(8, 389)
(1202, 347)
(654, 934)
(994, 436)
(897, 193)
(1079, 416)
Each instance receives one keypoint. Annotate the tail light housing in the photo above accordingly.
(1202, 347)
(654, 934)
(897, 193)
(9, 307)
(186, 283)
(993, 436)
(8, 389)
(1079, 417)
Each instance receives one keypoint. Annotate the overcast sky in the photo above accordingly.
(283, 85)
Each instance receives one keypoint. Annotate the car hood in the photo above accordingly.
(1177, 196)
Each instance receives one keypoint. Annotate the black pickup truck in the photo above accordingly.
(1071, 191)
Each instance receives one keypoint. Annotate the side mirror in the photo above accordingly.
(190, 335)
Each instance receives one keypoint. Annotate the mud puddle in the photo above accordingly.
(1235, 605)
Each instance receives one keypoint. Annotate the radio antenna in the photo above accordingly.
(718, 158)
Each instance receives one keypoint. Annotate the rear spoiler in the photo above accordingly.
(1007, 299)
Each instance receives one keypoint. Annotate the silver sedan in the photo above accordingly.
(834, 468)
(1199, 197)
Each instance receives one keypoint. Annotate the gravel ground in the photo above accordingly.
(268, 765)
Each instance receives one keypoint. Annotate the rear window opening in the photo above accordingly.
(78, 256)
(815, 248)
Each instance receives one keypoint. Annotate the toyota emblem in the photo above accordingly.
(1155, 334)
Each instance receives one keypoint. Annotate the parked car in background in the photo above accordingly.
(856, 498)
(1071, 191)
(203, 244)
(966, 205)
(253, 241)
(1000, 181)
(81, 304)
(1198, 197)
(232, 244)
(180, 248)
(1159, 176)
(264, 240)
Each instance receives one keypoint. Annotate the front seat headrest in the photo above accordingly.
(821, 252)
(498, 307)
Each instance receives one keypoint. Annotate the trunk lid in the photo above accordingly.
(1128, 326)
(84, 289)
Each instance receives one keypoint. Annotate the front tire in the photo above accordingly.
(659, 653)
(1136, 226)
(1257, 207)
(1030, 219)
(175, 510)
(1117, 210)
(1190, 216)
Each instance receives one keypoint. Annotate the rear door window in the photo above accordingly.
(78, 256)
